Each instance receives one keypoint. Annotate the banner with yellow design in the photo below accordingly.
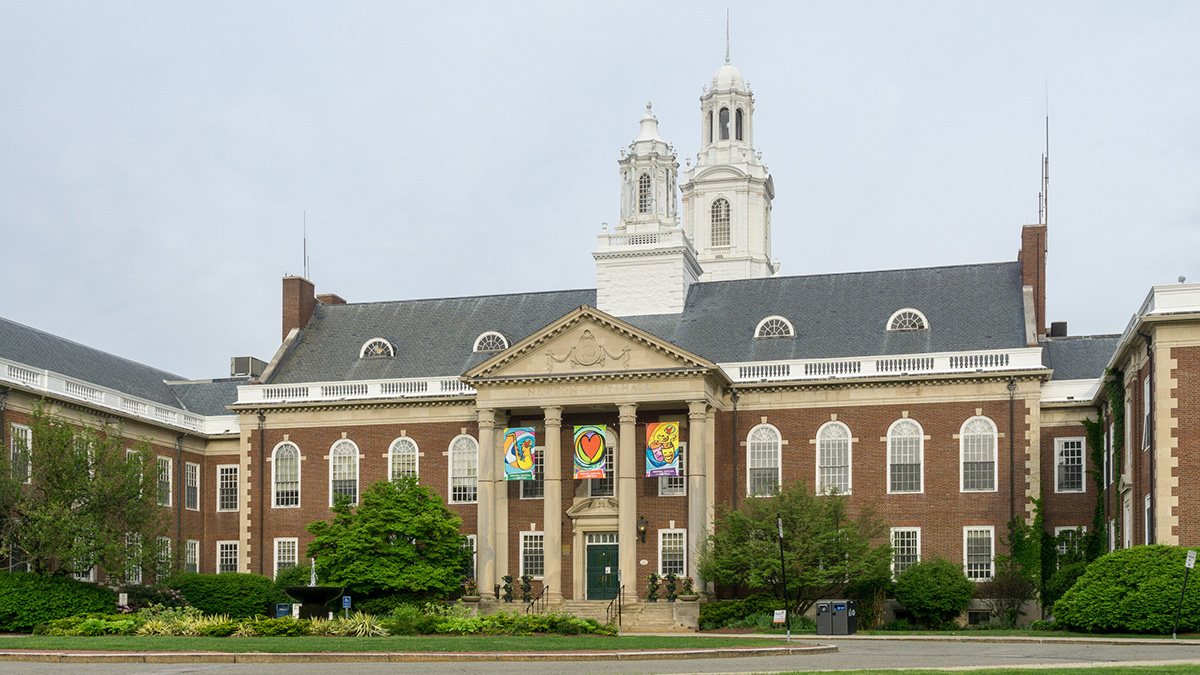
(589, 451)
(662, 449)
(518, 454)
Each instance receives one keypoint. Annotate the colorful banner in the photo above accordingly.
(518, 453)
(589, 451)
(662, 449)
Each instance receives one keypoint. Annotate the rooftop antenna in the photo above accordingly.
(1044, 195)
(305, 217)
(726, 35)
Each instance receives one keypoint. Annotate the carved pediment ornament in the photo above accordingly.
(587, 352)
(593, 507)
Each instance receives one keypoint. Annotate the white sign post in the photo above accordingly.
(1187, 567)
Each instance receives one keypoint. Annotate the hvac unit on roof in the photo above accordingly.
(246, 366)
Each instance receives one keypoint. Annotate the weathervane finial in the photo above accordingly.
(727, 35)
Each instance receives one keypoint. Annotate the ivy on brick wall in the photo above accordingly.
(1115, 391)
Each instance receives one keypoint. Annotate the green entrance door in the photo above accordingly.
(602, 571)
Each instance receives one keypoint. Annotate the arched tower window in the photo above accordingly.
(285, 469)
(833, 458)
(402, 458)
(709, 128)
(720, 222)
(724, 124)
(737, 125)
(644, 193)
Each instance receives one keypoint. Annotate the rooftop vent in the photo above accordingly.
(246, 366)
(1058, 329)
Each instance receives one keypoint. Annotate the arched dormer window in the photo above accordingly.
(737, 125)
(833, 458)
(490, 341)
(720, 222)
(907, 319)
(773, 327)
(644, 193)
(402, 458)
(977, 454)
(285, 476)
(709, 128)
(376, 348)
(724, 125)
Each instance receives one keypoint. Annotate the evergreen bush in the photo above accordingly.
(935, 591)
(238, 595)
(727, 612)
(27, 600)
(1133, 590)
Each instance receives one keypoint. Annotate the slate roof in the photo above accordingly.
(969, 307)
(208, 397)
(1078, 357)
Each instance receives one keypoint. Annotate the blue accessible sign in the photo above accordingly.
(345, 602)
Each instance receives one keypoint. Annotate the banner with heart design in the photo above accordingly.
(519, 460)
(589, 451)
(662, 449)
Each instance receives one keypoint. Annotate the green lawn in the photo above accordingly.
(1108, 670)
(447, 643)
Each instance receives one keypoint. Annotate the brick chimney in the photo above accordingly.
(299, 301)
(1033, 269)
(331, 299)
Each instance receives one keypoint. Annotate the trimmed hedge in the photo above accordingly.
(238, 595)
(726, 612)
(935, 591)
(1133, 590)
(27, 600)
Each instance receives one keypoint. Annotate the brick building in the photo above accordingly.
(935, 395)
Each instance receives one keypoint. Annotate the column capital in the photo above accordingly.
(553, 415)
(486, 417)
(627, 413)
(697, 410)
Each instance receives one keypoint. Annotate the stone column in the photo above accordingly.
(552, 504)
(627, 498)
(485, 535)
(697, 458)
(500, 498)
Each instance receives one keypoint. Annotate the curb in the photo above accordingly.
(409, 657)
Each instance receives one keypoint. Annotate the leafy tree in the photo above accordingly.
(80, 496)
(935, 591)
(401, 540)
(826, 547)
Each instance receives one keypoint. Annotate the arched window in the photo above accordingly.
(763, 476)
(376, 347)
(906, 451)
(644, 193)
(464, 470)
(977, 454)
(737, 125)
(720, 222)
(285, 476)
(907, 319)
(491, 341)
(709, 128)
(343, 471)
(833, 458)
(774, 326)
(724, 125)
(402, 458)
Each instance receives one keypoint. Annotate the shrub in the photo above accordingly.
(1007, 593)
(98, 624)
(285, 627)
(383, 604)
(27, 600)
(935, 591)
(1132, 590)
(726, 612)
(144, 596)
(1060, 582)
(238, 595)
(220, 629)
(898, 625)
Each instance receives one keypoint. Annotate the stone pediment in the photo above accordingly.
(587, 342)
(593, 507)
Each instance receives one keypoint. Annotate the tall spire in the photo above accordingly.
(726, 35)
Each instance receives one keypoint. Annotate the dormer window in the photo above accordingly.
(491, 341)
(774, 327)
(907, 319)
(644, 193)
(376, 348)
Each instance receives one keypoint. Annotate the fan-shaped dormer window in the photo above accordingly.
(644, 193)
(491, 341)
(376, 347)
(724, 124)
(907, 319)
(720, 222)
(774, 327)
(737, 125)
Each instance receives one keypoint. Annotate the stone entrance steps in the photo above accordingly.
(639, 617)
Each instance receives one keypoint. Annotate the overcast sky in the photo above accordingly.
(156, 159)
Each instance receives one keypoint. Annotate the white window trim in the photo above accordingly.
(849, 458)
(1146, 421)
(1146, 516)
(199, 482)
(778, 464)
(521, 551)
(1058, 449)
(962, 456)
(1109, 456)
(237, 472)
(758, 329)
(187, 547)
(539, 457)
(479, 342)
(362, 351)
(475, 555)
(1081, 529)
(237, 549)
(299, 474)
(282, 540)
(26, 434)
(683, 456)
(392, 456)
(170, 479)
(921, 434)
(450, 474)
(160, 563)
(902, 310)
(991, 529)
(660, 549)
(892, 541)
(357, 474)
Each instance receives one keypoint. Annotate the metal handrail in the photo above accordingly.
(540, 600)
(616, 605)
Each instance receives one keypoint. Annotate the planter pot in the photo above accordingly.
(670, 599)
(651, 599)
(689, 598)
(471, 598)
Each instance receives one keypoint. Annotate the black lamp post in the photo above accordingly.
(642, 524)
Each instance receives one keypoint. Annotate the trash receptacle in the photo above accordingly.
(837, 617)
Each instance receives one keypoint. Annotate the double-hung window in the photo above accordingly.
(672, 552)
(977, 455)
(227, 557)
(533, 555)
(164, 481)
(19, 452)
(191, 493)
(906, 548)
(402, 458)
(1068, 465)
(343, 471)
(464, 470)
(833, 458)
(286, 553)
(675, 486)
(906, 451)
(191, 556)
(977, 552)
(536, 488)
(227, 487)
(763, 447)
(285, 476)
